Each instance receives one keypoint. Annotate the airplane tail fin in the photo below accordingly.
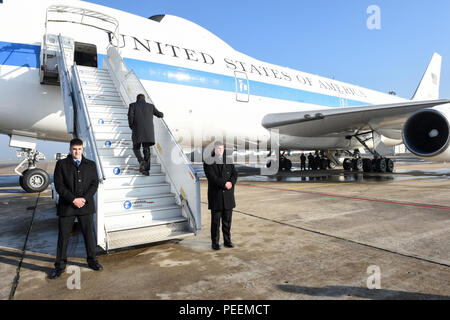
(428, 88)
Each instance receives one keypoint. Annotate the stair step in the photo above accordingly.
(94, 75)
(99, 97)
(113, 136)
(95, 86)
(108, 110)
(92, 69)
(104, 128)
(99, 90)
(111, 93)
(130, 159)
(99, 79)
(136, 180)
(156, 233)
(109, 117)
(126, 170)
(154, 212)
(136, 191)
(114, 143)
(104, 102)
(119, 152)
(138, 220)
(110, 121)
(132, 204)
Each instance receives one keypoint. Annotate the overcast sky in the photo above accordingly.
(329, 38)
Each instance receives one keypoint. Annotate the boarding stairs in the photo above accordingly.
(132, 209)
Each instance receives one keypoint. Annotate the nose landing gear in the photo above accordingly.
(32, 180)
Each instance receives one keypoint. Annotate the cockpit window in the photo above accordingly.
(156, 18)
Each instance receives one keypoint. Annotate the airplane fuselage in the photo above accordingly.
(203, 86)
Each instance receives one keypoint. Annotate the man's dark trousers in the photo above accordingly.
(65, 226)
(226, 216)
(147, 153)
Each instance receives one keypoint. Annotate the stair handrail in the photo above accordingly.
(83, 13)
(65, 83)
(129, 86)
(79, 94)
(190, 216)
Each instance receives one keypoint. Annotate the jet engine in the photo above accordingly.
(426, 133)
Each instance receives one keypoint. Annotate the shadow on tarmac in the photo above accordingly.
(372, 294)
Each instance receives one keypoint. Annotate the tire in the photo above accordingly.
(21, 179)
(357, 164)
(380, 165)
(287, 165)
(389, 165)
(35, 180)
(324, 164)
(367, 165)
(347, 164)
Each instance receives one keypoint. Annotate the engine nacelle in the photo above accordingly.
(427, 133)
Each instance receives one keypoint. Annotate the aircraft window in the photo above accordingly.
(85, 54)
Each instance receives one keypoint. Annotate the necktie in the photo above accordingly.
(78, 162)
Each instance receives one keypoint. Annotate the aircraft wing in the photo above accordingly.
(386, 119)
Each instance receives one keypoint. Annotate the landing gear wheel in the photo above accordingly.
(380, 165)
(21, 179)
(288, 165)
(367, 165)
(347, 164)
(285, 164)
(35, 180)
(389, 165)
(324, 164)
(357, 164)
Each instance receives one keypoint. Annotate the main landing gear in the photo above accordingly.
(377, 164)
(32, 180)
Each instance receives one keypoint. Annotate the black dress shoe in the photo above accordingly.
(215, 247)
(56, 273)
(95, 266)
(229, 245)
(142, 166)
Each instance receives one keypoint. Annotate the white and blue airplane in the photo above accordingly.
(201, 83)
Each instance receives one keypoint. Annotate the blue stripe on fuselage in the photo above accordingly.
(18, 54)
(24, 55)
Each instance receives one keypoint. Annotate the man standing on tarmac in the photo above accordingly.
(222, 177)
(76, 182)
(302, 162)
(310, 162)
(140, 120)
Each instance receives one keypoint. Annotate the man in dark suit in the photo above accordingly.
(302, 162)
(222, 177)
(76, 182)
(140, 120)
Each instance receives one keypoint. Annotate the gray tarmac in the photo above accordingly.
(297, 235)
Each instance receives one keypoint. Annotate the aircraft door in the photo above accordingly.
(242, 86)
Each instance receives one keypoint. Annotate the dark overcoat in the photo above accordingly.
(140, 120)
(219, 198)
(72, 182)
